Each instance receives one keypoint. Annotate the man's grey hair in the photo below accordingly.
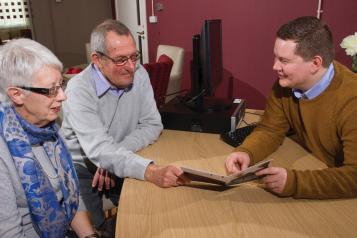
(98, 36)
(20, 61)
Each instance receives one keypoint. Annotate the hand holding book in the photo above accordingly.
(236, 178)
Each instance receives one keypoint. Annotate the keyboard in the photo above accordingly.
(236, 137)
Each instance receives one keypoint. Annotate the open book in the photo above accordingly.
(240, 177)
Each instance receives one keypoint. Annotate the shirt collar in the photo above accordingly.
(319, 87)
(102, 85)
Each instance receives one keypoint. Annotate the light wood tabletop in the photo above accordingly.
(246, 210)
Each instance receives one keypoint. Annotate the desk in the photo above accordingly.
(246, 210)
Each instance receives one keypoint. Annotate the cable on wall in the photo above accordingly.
(152, 18)
(319, 10)
(152, 8)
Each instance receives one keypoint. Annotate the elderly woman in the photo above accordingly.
(38, 184)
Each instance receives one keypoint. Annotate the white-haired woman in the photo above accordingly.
(38, 183)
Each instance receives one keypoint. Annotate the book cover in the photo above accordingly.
(237, 178)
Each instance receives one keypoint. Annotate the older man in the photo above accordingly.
(110, 114)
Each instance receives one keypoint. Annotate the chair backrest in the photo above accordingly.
(177, 55)
(159, 74)
(88, 53)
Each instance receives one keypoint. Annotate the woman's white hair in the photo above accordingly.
(20, 60)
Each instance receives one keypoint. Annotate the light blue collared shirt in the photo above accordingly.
(102, 85)
(318, 88)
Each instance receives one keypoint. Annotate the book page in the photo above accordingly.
(248, 174)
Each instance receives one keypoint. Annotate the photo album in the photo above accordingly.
(237, 178)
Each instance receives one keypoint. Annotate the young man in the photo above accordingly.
(110, 114)
(317, 98)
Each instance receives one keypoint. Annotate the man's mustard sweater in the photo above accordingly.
(326, 126)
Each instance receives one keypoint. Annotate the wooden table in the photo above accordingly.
(246, 210)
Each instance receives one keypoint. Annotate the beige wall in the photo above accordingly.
(65, 27)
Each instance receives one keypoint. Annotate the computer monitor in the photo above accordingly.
(211, 55)
(206, 66)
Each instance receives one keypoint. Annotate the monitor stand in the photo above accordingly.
(215, 117)
(207, 104)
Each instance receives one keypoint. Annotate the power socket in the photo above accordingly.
(153, 19)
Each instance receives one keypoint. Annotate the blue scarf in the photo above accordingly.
(50, 217)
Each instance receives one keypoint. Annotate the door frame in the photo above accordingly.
(140, 34)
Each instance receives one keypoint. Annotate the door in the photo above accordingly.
(133, 14)
(65, 26)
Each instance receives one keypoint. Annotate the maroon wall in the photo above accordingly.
(249, 28)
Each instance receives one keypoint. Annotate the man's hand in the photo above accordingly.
(165, 177)
(237, 161)
(103, 177)
(275, 178)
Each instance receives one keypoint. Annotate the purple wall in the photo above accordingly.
(249, 29)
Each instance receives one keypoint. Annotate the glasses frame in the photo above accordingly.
(49, 92)
(133, 58)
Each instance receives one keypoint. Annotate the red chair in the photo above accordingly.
(159, 74)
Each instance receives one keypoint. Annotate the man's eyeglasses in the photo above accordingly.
(120, 61)
(50, 92)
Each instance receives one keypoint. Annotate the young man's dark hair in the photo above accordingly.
(313, 37)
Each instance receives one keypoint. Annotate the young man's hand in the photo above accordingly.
(237, 161)
(275, 178)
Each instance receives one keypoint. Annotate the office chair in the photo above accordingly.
(177, 55)
(159, 73)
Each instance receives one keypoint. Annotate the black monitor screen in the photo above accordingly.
(211, 55)
(206, 67)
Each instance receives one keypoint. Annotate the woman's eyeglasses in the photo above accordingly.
(50, 92)
(120, 61)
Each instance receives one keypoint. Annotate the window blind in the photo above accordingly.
(14, 14)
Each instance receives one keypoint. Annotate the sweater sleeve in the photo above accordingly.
(334, 182)
(10, 218)
(269, 134)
